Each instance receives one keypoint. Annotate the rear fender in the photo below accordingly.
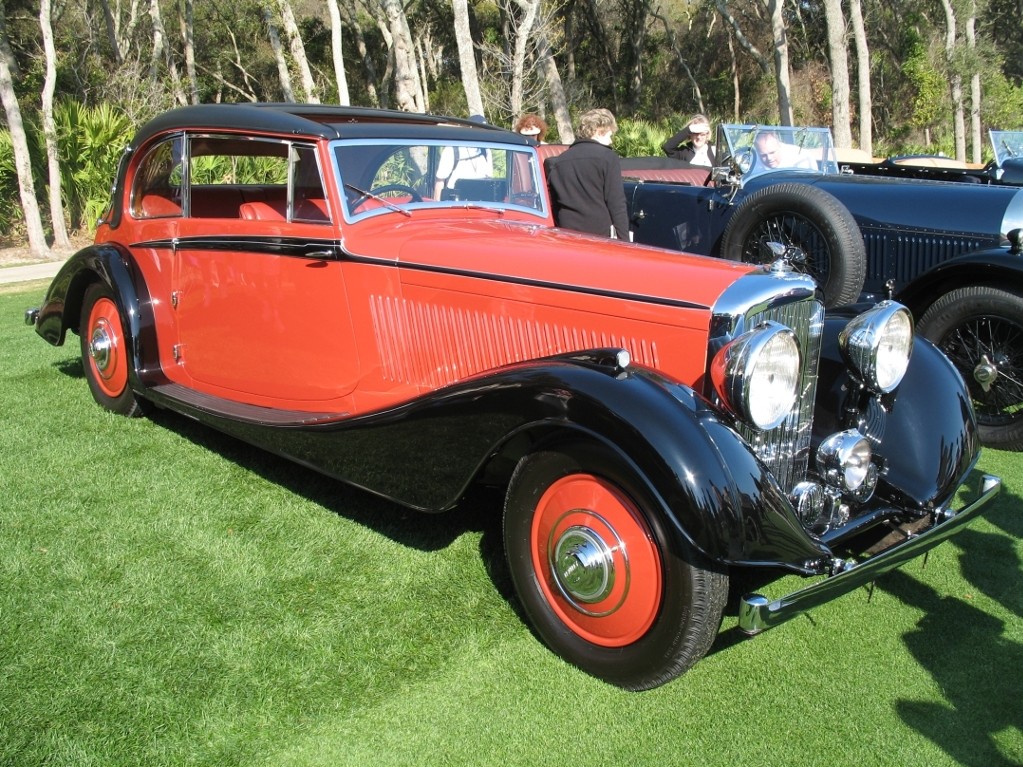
(111, 265)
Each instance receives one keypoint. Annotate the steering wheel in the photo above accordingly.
(386, 189)
(380, 191)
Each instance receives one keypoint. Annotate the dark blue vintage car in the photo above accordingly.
(948, 251)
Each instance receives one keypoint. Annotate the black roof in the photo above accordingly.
(317, 121)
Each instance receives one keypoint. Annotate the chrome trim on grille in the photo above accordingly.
(789, 299)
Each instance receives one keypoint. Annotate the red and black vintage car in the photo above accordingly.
(384, 297)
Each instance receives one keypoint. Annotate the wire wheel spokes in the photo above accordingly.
(793, 230)
(992, 348)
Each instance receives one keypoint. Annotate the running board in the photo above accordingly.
(180, 398)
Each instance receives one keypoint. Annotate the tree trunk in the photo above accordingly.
(120, 39)
(669, 32)
(297, 49)
(60, 238)
(467, 57)
(367, 60)
(863, 77)
(336, 50)
(781, 62)
(955, 80)
(975, 94)
(522, 35)
(19, 143)
(283, 74)
(163, 54)
(637, 12)
(744, 42)
(407, 88)
(559, 102)
(838, 53)
(188, 40)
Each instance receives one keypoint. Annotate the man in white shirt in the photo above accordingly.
(457, 162)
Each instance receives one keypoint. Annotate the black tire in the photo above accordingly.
(106, 357)
(980, 329)
(810, 219)
(628, 600)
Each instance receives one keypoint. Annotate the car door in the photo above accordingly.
(259, 293)
(676, 216)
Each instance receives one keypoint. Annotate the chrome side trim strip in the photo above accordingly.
(757, 613)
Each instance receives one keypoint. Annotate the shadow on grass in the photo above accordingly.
(72, 368)
(973, 663)
(480, 511)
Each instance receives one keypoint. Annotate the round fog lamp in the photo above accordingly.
(843, 460)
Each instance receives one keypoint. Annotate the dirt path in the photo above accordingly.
(18, 253)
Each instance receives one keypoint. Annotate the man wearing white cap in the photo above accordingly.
(692, 143)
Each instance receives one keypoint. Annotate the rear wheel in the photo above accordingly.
(606, 582)
(808, 218)
(980, 329)
(105, 352)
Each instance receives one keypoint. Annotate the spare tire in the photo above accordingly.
(808, 218)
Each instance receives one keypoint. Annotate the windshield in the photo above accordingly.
(392, 176)
(759, 149)
(1008, 144)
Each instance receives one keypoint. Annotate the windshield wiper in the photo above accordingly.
(382, 200)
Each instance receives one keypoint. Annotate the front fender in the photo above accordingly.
(997, 267)
(424, 454)
(924, 433)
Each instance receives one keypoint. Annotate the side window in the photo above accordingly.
(310, 199)
(236, 178)
(157, 190)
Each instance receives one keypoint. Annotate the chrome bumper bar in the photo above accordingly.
(757, 613)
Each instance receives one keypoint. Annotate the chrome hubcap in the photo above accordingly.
(583, 565)
(100, 346)
(985, 373)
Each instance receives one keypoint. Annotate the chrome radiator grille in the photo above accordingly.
(789, 299)
(786, 448)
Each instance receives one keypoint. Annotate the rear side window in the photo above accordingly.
(157, 191)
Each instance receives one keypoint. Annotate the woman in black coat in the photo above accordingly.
(586, 180)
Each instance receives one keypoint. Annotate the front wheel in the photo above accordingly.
(604, 580)
(980, 329)
(105, 355)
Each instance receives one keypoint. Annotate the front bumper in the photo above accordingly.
(757, 613)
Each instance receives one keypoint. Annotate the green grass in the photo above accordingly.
(169, 596)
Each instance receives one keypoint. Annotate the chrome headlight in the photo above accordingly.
(757, 374)
(877, 345)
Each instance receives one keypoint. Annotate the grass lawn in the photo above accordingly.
(173, 597)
